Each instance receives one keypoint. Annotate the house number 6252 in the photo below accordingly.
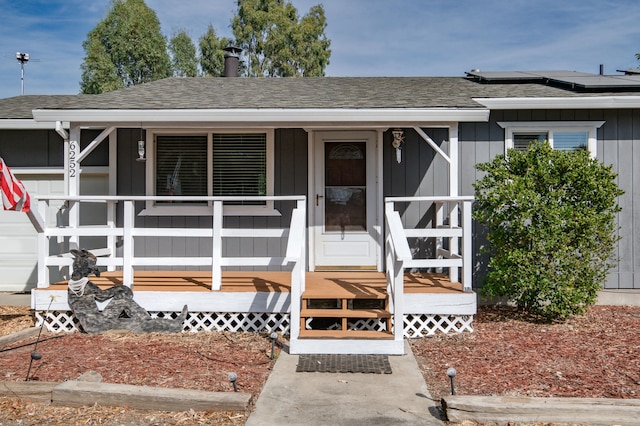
(72, 159)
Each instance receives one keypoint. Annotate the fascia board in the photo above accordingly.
(29, 124)
(275, 116)
(587, 102)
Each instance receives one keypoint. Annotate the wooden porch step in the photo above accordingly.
(341, 293)
(345, 313)
(344, 334)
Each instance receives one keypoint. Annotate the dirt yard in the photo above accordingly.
(597, 355)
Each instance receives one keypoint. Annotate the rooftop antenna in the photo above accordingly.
(22, 58)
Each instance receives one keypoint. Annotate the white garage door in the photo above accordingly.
(18, 238)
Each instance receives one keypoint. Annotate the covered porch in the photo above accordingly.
(261, 301)
(272, 292)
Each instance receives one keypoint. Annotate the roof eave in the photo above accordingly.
(586, 102)
(396, 116)
(29, 124)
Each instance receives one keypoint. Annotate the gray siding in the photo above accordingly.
(31, 148)
(618, 146)
(422, 172)
(45, 148)
(290, 178)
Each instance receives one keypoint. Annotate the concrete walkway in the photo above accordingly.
(15, 299)
(400, 398)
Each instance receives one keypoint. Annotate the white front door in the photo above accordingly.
(345, 200)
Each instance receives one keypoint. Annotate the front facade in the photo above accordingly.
(342, 152)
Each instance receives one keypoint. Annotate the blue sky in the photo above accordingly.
(368, 37)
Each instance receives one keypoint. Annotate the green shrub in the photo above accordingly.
(550, 217)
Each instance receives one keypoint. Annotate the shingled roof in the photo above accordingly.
(289, 93)
(294, 93)
(283, 93)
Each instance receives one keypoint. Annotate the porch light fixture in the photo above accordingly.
(141, 149)
(397, 143)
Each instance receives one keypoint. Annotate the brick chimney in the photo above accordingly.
(231, 61)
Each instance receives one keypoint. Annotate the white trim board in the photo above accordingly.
(274, 117)
(584, 102)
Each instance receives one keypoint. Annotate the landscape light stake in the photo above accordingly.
(273, 336)
(451, 372)
(35, 355)
(232, 378)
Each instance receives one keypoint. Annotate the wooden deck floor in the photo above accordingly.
(354, 282)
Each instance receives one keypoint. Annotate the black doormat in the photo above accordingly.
(321, 363)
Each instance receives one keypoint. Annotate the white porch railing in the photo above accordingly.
(71, 233)
(455, 254)
(399, 256)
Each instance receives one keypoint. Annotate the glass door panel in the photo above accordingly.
(345, 187)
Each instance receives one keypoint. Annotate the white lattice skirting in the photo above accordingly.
(65, 321)
(415, 325)
(421, 325)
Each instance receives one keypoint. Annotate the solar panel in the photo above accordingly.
(569, 78)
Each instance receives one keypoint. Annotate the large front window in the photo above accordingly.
(210, 164)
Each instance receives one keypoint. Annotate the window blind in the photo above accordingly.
(521, 141)
(239, 165)
(567, 141)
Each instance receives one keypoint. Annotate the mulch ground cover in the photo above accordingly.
(595, 355)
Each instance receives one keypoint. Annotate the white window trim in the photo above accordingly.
(549, 127)
(187, 210)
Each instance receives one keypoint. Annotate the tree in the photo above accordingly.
(183, 55)
(278, 44)
(101, 76)
(211, 53)
(550, 217)
(124, 49)
(313, 47)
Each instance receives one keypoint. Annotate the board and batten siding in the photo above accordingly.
(421, 172)
(618, 146)
(290, 178)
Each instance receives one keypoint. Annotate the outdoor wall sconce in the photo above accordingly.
(141, 149)
(397, 143)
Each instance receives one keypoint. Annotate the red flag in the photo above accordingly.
(14, 195)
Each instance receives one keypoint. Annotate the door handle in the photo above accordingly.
(318, 196)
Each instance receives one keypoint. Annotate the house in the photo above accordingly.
(327, 208)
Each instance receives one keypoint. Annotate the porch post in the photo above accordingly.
(398, 253)
(454, 222)
(72, 178)
(454, 162)
(466, 246)
(113, 190)
(127, 246)
(398, 300)
(216, 255)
